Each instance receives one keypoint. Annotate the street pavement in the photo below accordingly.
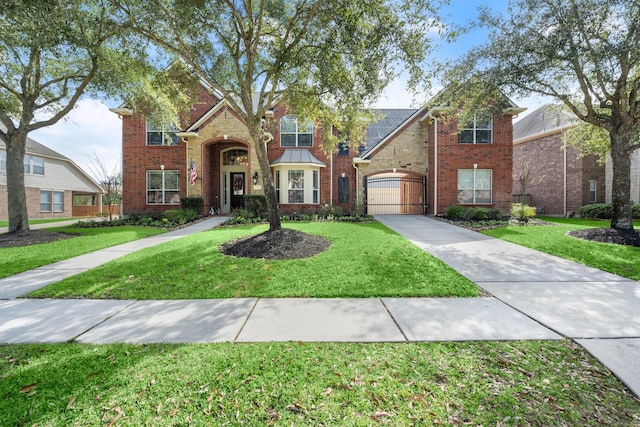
(535, 296)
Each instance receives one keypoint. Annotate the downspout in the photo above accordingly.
(357, 184)
(435, 162)
(564, 173)
(330, 181)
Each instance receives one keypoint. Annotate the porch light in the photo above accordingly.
(255, 178)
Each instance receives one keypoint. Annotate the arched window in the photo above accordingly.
(294, 133)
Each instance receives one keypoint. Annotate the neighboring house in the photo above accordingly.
(634, 178)
(560, 181)
(55, 186)
(409, 164)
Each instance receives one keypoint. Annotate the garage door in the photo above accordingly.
(395, 194)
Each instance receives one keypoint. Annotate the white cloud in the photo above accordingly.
(89, 129)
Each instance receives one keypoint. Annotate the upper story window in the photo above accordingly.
(294, 133)
(343, 145)
(33, 165)
(161, 135)
(478, 131)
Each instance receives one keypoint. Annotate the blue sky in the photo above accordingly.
(91, 129)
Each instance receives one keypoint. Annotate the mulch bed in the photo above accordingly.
(279, 244)
(608, 235)
(31, 237)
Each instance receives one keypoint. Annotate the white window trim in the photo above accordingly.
(475, 130)
(164, 131)
(297, 133)
(163, 190)
(474, 188)
(281, 183)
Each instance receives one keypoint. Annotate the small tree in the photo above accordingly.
(522, 175)
(110, 181)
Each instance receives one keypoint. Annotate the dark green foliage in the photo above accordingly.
(595, 210)
(255, 206)
(454, 211)
(195, 203)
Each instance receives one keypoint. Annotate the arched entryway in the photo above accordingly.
(228, 173)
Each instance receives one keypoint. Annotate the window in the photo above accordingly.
(58, 201)
(479, 131)
(3, 160)
(163, 188)
(474, 186)
(294, 134)
(235, 157)
(316, 187)
(165, 135)
(343, 145)
(593, 187)
(278, 186)
(45, 201)
(33, 165)
(296, 186)
(37, 165)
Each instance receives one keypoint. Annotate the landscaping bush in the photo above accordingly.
(193, 203)
(635, 211)
(494, 214)
(595, 210)
(468, 213)
(255, 206)
(454, 211)
(522, 211)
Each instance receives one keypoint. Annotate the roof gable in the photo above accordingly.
(389, 120)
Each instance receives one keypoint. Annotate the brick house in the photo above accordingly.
(409, 163)
(560, 180)
(55, 187)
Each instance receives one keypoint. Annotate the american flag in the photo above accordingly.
(192, 173)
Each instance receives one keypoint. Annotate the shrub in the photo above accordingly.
(255, 205)
(468, 213)
(194, 203)
(454, 211)
(522, 211)
(494, 214)
(635, 211)
(595, 210)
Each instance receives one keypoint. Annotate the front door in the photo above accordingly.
(237, 190)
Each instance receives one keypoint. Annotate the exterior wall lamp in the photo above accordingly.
(255, 178)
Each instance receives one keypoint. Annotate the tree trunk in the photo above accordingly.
(269, 190)
(621, 216)
(16, 196)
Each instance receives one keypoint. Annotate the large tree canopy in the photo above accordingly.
(585, 54)
(327, 59)
(53, 52)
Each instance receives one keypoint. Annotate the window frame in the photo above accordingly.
(58, 205)
(474, 129)
(298, 191)
(315, 187)
(593, 191)
(162, 132)
(294, 132)
(48, 203)
(166, 194)
(474, 189)
(3, 160)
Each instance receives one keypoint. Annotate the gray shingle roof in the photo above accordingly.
(388, 121)
(34, 147)
(297, 156)
(547, 118)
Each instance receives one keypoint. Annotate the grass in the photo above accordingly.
(621, 260)
(18, 259)
(364, 260)
(283, 384)
(39, 221)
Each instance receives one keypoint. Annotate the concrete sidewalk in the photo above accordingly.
(535, 296)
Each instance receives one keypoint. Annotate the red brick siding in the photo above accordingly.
(138, 158)
(544, 157)
(452, 156)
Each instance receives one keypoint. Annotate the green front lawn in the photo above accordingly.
(285, 384)
(39, 221)
(621, 260)
(19, 259)
(364, 260)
